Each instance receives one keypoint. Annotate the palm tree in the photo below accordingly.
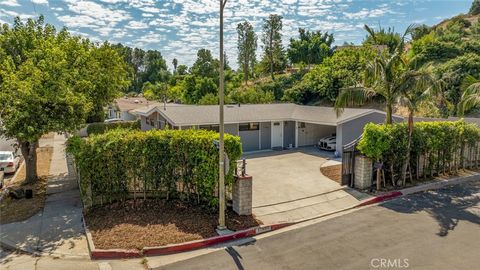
(470, 95)
(382, 79)
(415, 87)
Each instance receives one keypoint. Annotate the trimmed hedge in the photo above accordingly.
(160, 163)
(443, 146)
(100, 128)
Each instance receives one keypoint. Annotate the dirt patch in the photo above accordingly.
(12, 210)
(156, 223)
(333, 173)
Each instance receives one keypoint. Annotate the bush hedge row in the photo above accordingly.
(165, 163)
(99, 128)
(444, 146)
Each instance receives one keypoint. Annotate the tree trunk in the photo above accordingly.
(388, 119)
(407, 160)
(29, 152)
(271, 54)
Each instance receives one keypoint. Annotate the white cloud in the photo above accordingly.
(101, 14)
(40, 2)
(11, 3)
(147, 15)
(367, 13)
(136, 25)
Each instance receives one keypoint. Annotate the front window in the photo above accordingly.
(248, 126)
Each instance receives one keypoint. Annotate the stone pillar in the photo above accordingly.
(242, 195)
(363, 172)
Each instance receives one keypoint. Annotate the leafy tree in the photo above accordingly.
(175, 64)
(197, 87)
(274, 54)
(453, 72)
(155, 67)
(323, 82)
(382, 36)
(106, 75)
(475, 8)
(310, 48)
(383, 78)
(247, 47)
(182, 70)
(251, 95)
(420, 31)
(205, 65)
(470, 95)
(39, 79)
(209, 99)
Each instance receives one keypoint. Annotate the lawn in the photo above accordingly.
(156, 223)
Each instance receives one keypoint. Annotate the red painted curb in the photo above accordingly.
(98, 254)
(152, 251)
(381, 198)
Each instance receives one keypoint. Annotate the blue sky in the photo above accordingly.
(178, 28)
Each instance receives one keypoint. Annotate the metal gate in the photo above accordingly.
(349, 152)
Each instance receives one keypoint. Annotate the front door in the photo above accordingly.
(277, 134)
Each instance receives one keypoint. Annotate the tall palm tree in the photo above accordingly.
(382, 79)
(415, 87)
(470, 95)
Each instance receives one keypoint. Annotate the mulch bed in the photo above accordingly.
(152, 223)
(13, 210)
(334, 172)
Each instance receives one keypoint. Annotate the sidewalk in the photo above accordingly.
(58, 229)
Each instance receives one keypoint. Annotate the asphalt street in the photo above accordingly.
(431, 230)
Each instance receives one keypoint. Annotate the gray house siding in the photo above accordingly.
(250, 140)
(289, 133)
(266, 135)
(231, 129)
(351, 130)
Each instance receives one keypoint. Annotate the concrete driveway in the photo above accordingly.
(288, 185)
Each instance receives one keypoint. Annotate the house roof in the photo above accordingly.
(209, 114)
(125, 104)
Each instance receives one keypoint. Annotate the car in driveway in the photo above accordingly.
(328, 143)
(9, 161)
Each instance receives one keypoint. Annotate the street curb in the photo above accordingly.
(380, 198)
(188, 246)
(415, 189)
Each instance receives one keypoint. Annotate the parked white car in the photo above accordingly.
(113, 120)
(9, 161)
(328, 143)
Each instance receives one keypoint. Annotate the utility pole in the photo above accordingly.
(221, 179)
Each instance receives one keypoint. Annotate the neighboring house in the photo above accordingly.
(123, 107)
(266, 126)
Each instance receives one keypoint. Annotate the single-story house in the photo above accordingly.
(122, 108)
(267, 126)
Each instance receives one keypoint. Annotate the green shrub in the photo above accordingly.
(100, 128)
(165, 163)
(442, 144)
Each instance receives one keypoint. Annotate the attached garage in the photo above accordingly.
(250, 136)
